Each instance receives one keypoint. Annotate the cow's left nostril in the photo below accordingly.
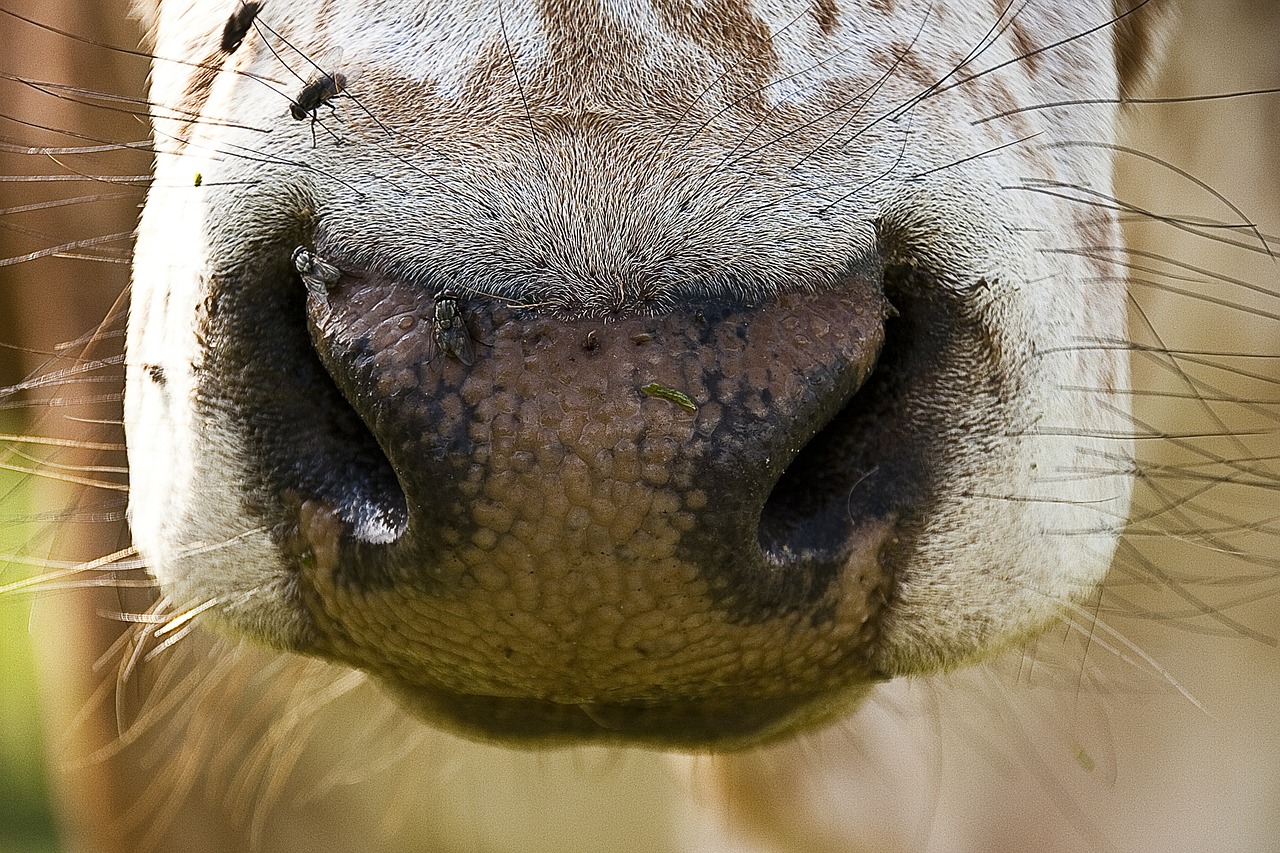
(818, 502)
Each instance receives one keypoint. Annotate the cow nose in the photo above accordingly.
(596, 511)
(630, 438)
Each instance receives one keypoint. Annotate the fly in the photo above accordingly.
(451, 335)
(320, 90)
(238, 26)
(318, 275)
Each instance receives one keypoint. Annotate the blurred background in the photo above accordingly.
(64, 248)
(63, 267)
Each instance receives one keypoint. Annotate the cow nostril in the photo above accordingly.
(314, 445)
(809, 515)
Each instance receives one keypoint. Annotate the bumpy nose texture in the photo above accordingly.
(585, 496)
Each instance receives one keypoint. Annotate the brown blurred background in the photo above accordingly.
(45, 303)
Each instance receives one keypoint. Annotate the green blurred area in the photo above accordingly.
(26, 820)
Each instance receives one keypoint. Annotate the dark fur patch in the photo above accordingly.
(1140, 30)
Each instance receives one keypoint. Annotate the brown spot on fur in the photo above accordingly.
(1138, 39)
(727, 30)
(901, 60)
(575, 30)
(196, 94)
(1024, 45)
(999, 98)
(827, 16)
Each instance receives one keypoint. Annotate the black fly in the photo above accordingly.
(317, 274)
(451, 335)
(319, 91)
(238, 26)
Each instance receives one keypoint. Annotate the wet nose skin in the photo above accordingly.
(589, 547)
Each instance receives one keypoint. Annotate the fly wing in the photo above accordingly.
(460, 343)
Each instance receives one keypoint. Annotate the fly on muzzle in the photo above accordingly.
(592, 532)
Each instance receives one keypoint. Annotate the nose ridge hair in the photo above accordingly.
(727, 31)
